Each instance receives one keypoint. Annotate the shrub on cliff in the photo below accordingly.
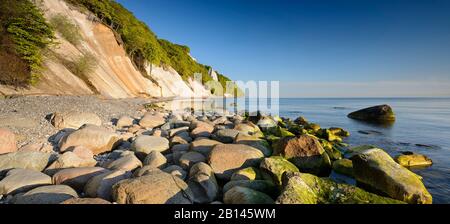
(66, 28)
(24, 33)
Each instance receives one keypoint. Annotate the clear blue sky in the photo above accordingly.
(397, 48)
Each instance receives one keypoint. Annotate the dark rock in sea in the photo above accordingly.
(427, 146)
(378, 114)
(370, 132)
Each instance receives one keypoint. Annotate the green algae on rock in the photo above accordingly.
(343, 166)
(275, 166)
(412, 159)
(264, 186)
(243, 195)
(375, 168)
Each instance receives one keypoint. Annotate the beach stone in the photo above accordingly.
(7, 141)
(74, 119)
(128, 163)
(145, 144)
(22, 180)
(375, 168)
(177, 131)
(71, 160)
(155, 159)
(247, 128)
(243, 195)
(176, 171)
(82, 152)
(203, 183)
(228, 158)
(412, 159)
(202, 129)
(220, 120)
(304, 188)
(263, 186)
(52, 194)
(254, 142)
(188, 159)
(95, 138)
(101, 185)
(266, 122)
(157, 187)
(249, 173)
(176, 140)
(25, 160)
(343, 166)
(225, 135)
(275, 166)
(180, 147)
(203, 146)
(306, 153)
(380, 113)
(77, 177)
(124, 121)
(37, 147)
(152, 120)
(85, 201)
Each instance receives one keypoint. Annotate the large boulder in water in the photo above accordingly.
(380, 113)
(95, 138)
(412, 159)
(228, 158)
(376, 169)
(306, 153)
(156, 187)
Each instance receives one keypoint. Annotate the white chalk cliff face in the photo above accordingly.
(115, 75)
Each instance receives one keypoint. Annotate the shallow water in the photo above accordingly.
(422, 126)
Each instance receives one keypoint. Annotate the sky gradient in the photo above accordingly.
(314, 48)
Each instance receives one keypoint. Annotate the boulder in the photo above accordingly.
(95, 138)
(303, 188)
(144, 144)
(157, 187)
(247, 128)
(22, 180)
(52, 194)
(124, 121)
(380, 113)
(254, 142)
(243, 195)
(264, 186)
(306, 153)
(203, 146)
(76, 177)
(275, 166)
(37, 147)
(177, 139)
(85, 201)
(71, 160)
(152, 120)
(412, 159)
(82, 152)
(202, 183)
(249, 173)
(375, 168)
(128, 163)
(225, 135)
(176, 171)
(228, 158)
(74, 119)
(101, 185)
(202, 129)
(266, 122)
(7, 141)
(155, 159)
(25, 160)
(343, 166)
(144, 171)
(188, 159)
(177, 131)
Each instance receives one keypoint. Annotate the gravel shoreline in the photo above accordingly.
(26, 116)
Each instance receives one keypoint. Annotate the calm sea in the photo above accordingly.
(422, 126)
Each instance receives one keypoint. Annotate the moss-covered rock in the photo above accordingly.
(243, 195)
(255, 142)
(412, 159)
(275, 166)
(327, 191)
(375, 168)
(296, 191)
(264, 186)
(249, 173)
(339, 132)
(331, 150)
(343, 166)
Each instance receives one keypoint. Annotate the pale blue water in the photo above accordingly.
(423, 121)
